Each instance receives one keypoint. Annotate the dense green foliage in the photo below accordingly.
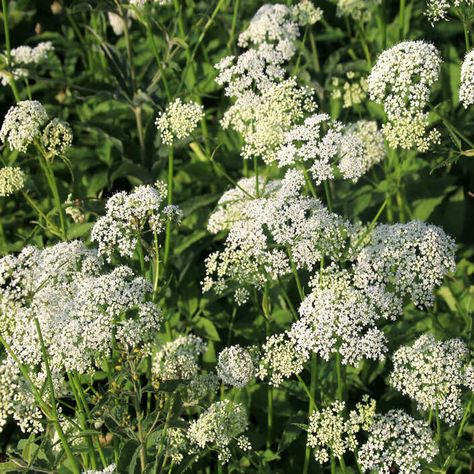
(110, 89)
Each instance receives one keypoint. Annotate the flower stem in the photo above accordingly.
(54, 413)
(170, 201)
(311, 407)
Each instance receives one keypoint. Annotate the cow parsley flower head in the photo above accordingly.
(431, 372)
(218, 427)
(263, 120)
(411, 131)
(365, 136)
(305, 13)
(231, 206)
(339, 317)
(24, 57)
(81, 308)
(437, 10)
(57, 137)
(469, 376)
(466, 90)
(235, 366)
(178, 120)
(127, 214)
(272, 229)
(401, 81)
(271, 24)
(359, 10)
(412, 258)
(403, 76)
(331, 431)
(255, 69)
(280, 359)
(178, 359)
(397, 439)
(22, 124)
(12, 179)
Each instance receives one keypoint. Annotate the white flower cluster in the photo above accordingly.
(23, 57)
(280, 359)
(81, 310)
(178, 359)
(235, 366)
(178, 120)
(330, 431)
(141, 3)
(328, 145)
(272, 230)
(361, 148)
(359, 10)
(437, 10)
(12, 179)
(412, 258)
(401, 81)
(267, 104)
(127, 214)
(22, 124)
(263, 119)
(57, 137)
(432, 372)
(466, 90)
(222, 423)
(339, 317)
(397, 440)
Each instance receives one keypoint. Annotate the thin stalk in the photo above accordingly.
(51, 180)
(465, 418)
(137, 112)
(234, 23)
(255, 168)
(170, 202)
(311, 407)
(401, 19)
(340, 386)
(295, 274)
(314, 50)
(309, 182)
(8, 48)
(41, 215)
(83, 421)
(267, 313)
(466, 35)
(327, 191)
(54, 413)
(156, 268)
(157, 56)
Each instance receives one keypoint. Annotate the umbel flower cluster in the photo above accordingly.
(64, 295)
(128, 215)
(24, 125)
(330, 431)
(401, 81)
(466, 90)
(343, 312)
(22, 59)
(12, 179)
(178, 120)
(270, 234)
(437, 10)
(432, 373)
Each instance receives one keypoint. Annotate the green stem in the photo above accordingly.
(51, 180)
(170, 202)
(311, 407)
(257, 184)
(54, 413)
(8, 48)
(267, 313)
(327, 191)
(401, 19)
(340, 385)
(314, 49)
(234, 23)
(295, 274)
